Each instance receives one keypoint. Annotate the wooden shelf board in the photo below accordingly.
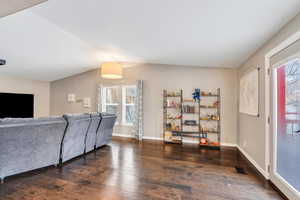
(189, 101)
(214, 132)
(213, 95)
(190, 125)
(210, 146)
(172, 130)
(187, 132)
(172, 142)
(191, 136)
(206, 107)
(173, 96)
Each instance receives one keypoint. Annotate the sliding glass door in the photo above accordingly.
(285, 125)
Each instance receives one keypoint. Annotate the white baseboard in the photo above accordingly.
(225, 144)
(189, 141)
(256, 165)
(122, 135)
(152, 138)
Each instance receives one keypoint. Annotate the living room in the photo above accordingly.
(149, 100)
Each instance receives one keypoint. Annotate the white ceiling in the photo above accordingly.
(37, 49)
(63, 37)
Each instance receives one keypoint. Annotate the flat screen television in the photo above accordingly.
(16, 105)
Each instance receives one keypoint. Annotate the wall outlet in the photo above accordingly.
(244, 144)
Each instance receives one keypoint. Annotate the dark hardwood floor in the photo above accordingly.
(148, 170)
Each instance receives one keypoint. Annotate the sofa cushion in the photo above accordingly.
(73, 144)
(105, 130)
(31, 121)
(27, 144)
(92, 132)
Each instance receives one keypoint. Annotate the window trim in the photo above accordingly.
(121, 119)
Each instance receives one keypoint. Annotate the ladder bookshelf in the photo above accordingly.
(177, 110)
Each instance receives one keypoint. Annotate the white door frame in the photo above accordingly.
(286, 43)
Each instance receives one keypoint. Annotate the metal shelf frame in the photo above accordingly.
(192, 134)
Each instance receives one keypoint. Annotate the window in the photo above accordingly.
(110, 99)
(120, 100)
(128, 108)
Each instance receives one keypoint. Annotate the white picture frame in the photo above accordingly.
(249, 93)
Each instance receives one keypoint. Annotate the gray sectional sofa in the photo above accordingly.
(28, 144)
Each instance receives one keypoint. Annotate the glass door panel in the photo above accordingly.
(286, 126)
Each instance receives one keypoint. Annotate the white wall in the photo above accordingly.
(156, 78)
(251, 130)
(40, 89)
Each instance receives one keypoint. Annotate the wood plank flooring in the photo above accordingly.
(140, 171)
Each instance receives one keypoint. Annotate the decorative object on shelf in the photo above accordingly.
(173, 94)
(176, 139)
(172, 117)
(168, 136)
(216, 104)
(196, 95)
(212, 117)
(203, 93)
(190, 122)
(188, 109)
(172, 127)
(208, 130)
(172, 104)
(111, 70)
(204, 141)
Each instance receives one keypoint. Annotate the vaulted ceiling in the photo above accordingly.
(59, 38)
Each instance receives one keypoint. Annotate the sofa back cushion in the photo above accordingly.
(74, 139)
(31, 121)
(90, 141)
(105, 130)
(27, 144)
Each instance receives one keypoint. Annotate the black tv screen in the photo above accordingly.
(16, 105)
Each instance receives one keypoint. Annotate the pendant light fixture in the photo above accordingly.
(111, 70)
